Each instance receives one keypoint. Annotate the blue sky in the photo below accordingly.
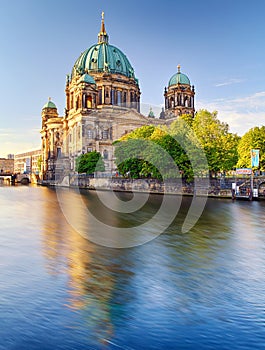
(219, 45)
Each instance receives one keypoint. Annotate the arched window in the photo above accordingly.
(100, 96)
(89, 102)
(90, 133)
(182, 100)
(105, 134)
(112, 97)
(118, 98)
(105, 154)
(124, 100)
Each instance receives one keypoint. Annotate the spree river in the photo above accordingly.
(201, 289)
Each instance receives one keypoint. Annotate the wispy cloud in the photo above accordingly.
(230, 81)
(241, 114)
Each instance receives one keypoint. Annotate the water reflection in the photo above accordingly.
(96, 274)
(201, 289)
(112, 228)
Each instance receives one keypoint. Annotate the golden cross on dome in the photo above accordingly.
(102, 15)
(178, 67)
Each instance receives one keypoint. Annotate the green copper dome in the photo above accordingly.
(179, 78)
(49, 104)
(151, 113)
(103, 57)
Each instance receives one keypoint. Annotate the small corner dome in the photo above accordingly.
(151, 114)
(49, 104)
(86, 78)
(179, 78)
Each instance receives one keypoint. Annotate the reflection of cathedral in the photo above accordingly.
(102, 104)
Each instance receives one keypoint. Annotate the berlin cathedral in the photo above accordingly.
(103, 104)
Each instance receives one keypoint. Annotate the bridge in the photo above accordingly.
(14, 178)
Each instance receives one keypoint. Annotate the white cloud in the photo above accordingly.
(229, 82)
(240, 113)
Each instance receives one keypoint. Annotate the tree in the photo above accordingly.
(188, 118)
(220, 146)
(151, 151)
(252, 139)
(144, 132)
(168, 139)
(89, 163)
(128, 156)
(187, 141)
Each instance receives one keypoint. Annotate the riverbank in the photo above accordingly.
(210, 187)
(201, 187)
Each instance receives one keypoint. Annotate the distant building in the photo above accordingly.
(6, 166)
(102, 104)
(28, 162)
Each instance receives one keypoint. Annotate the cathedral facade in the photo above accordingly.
(103, 104)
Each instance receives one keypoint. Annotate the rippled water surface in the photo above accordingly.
(204, 289)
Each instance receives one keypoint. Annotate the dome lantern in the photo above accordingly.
(102, 35)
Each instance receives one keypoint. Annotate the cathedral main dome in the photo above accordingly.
(103, 57)
(102, 76)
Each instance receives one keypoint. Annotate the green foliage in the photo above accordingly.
(89, 163)
(252, 139)
(185, 147)
(188, 118)
(143, 132)
(219, 144)
(151, 152)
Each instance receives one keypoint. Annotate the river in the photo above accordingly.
(63, 289)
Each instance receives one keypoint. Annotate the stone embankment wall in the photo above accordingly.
(214, 187)
(203, 186)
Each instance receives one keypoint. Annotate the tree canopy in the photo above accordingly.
(219, 144)
(157, 152)
(183, 142)
(168, 151)
(89, 163)
(252, 139)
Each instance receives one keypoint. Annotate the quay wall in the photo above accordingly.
(204, 186)
(211, 187)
